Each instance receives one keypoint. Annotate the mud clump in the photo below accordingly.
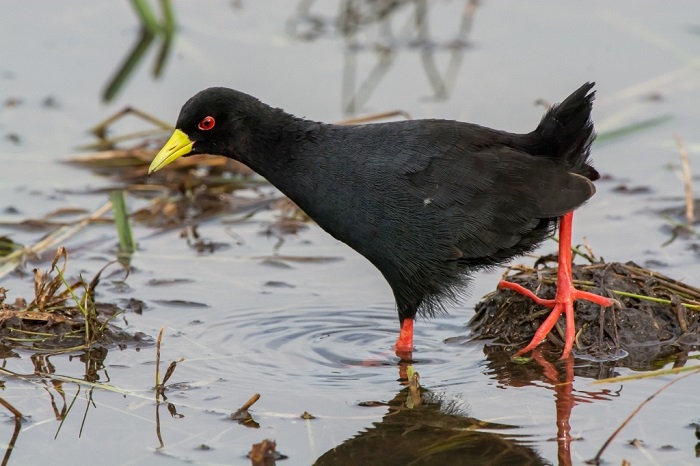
(656, 316)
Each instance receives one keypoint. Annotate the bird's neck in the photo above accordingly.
(274, 141)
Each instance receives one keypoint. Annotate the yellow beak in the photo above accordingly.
(177, 146)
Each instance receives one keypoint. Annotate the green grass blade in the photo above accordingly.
(121, 220)
(129, 65)
(631, 129)
(168, 16)
(163, 54)
(146, 16)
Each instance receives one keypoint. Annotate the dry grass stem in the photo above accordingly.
(376, 116)
(687, 181)
(11, 261)
(596, 459)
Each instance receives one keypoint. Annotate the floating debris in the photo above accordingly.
(243, 417)
(62, 316)
(265, 453)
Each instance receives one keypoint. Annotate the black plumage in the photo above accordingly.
(426, 201)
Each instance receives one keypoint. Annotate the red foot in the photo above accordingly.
(404, 345)
(565, 297)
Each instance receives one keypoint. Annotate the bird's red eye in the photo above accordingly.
(206, 124)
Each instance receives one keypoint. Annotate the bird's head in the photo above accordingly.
(215, 121)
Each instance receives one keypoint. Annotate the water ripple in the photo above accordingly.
(330, 347)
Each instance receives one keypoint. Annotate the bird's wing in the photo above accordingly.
(492, 199)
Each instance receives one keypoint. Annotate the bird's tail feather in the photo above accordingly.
(566, 132)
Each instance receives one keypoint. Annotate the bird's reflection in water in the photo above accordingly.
(546, 370)
(421, 427)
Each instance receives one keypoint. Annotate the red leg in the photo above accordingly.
(565, 297)
(404, 345)
(565, 401)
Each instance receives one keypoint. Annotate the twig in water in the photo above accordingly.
(249, 403)
(159, 386)
(243, 417)
(18, 425)
(596, 459)
(12, 260)
(687, 181)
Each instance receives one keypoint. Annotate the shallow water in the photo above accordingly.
(316, 336)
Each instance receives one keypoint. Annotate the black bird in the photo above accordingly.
(427, 202)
